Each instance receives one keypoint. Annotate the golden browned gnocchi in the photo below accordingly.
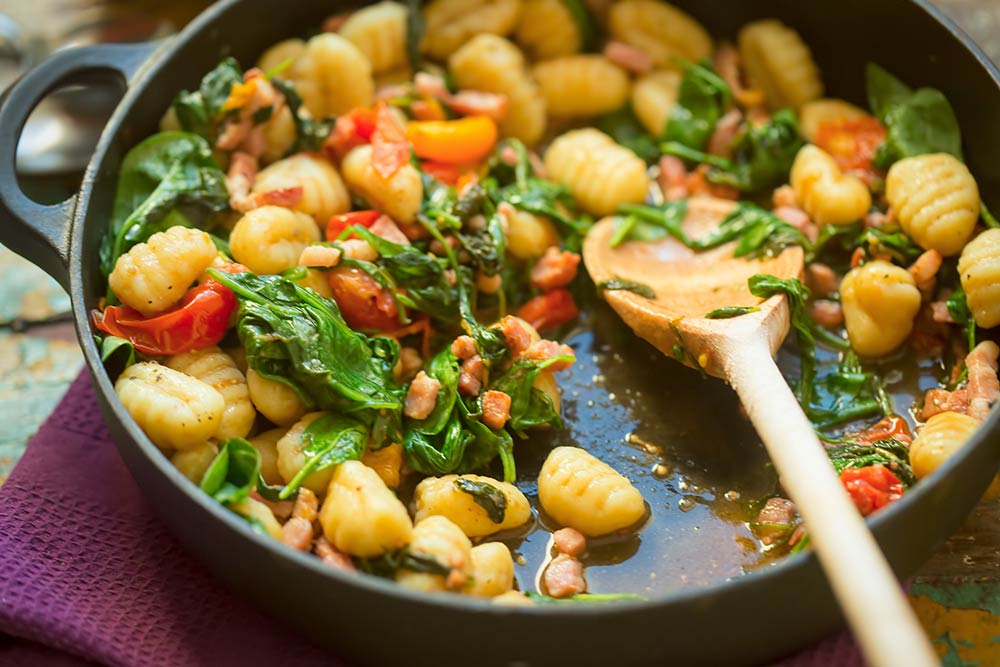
(192, 463)
(275, 400)
(215, 368)
(546, 29)
(460, 499)
(579, 490)
(816, 112)
(379, 32)
(935, 199)
(387, 462)
(581, 86)
(154, 275)
(331, 74)
(291, 459)
(451, 23)
(979, 271)
(398, 196)
(323, 193)
(492, 570)
(780, 63)
(880, 301)
(260, 514)
(828, 195)
(938, 440)
(600, 173)
(360, 515)
(266, 445)
(661, 30)
(269, 239)
(440, 540)
(175, 410)
(527, 235)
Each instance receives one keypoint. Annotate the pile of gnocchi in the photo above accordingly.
(330, 274)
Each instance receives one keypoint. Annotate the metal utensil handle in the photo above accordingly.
(39, 232)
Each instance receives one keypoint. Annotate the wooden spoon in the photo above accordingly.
(740, 350)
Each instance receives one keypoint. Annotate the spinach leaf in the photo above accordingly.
(160, 176)
(414, 34)
(273, 493)
(389, 563)
(585, 23)
(917, 122)
(846, 393)
(444, 368)
(117, 354)
(295, 336)
(486, 243)
(200, 111)
(625, 128)
(233, 473)
(487, 496)
(701, 100)
(958, 308)
(616, 284)
(486, 444)
(762, 154)
(890, 241)
(727, 312)
(529, 407)
(310, 133)
(439, 453)
(651, 223)
(328, 441)
(889, 452)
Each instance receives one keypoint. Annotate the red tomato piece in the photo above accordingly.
(390, 149)
(851, 142)
(893, 426)
(200, 320)
(365, 305)
(351, 130)
(338, 223)
(550, 309)
(872, 487)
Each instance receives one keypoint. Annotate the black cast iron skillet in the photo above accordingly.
(747, 620)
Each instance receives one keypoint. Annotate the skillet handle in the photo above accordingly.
(38, 232)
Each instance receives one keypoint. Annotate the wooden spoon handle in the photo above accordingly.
(873, 602)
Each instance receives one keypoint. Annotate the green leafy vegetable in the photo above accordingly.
(200, 111)
(530, 407)
(728, 312)
(326, 442)
(438, 453)
(233, 473)
(889, 452)
(414, 34)
(651, 223)
(388, 564)
(169, 179)
(620, 284)
(584, 22)
(444, 368)
(117, 354)
(310, 133)
(701, 100)
(487, 496)
(762, 154)
(846, 393)
(917, 122)
(890, 241)
(958, 308)
(625, 128)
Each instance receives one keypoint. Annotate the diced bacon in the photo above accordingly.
(877, 219)
(255, 142)
(488, 284)
(547, 349)
(672, 178)
(359, 249)
(721, 141)
(421, 397)
(935, 402)
(496, 409)
(984, 387)
(628, 57)
(332, 556)
(794, 216)
(924, 271)
(287, 197)
(563, 577)
(239, 180)
(784, 196)
(298, 530)
(518, 334)
(464, 347)
(386, 227)
(472, 376)
(775, 520)
(537, 166)
(478, 103)
(428, 85)
(827, 314)
(569, 541)
(319, 257)
(390, 150)
(555, 268)
(940, 313)
(234, 131)
(822, 280)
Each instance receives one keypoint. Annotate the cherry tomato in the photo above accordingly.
(852, 142)
(550, 309)
(893, 426)
(200, 320)
(351, 130)
(342, 221)
(365, 305)
(872, 487)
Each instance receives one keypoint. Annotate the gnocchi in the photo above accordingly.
(581, 86)
(387, 462)
(527, 235)
(816, 112)
(360, 515)
(291, 459)
(492, 570)
(215, 368)
(266, 445)
(398, 196)
(880, 302)
(449, 24)
(938, 440)
(780, 63)
(269, 239)
(653, 97)
(442, 496)
(828, 195)
(438, 539)
(547, 29)
(379, 32)
(979, 271)
(664, 32)
(275, 400)
(192, 463)
(323, 192)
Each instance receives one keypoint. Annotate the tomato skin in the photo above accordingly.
(872, 487)
(390, 150)
(351, 130)
(200, 320)
(365, 305)
(550, 309)
(852, 142)
(338, 223)
(893, 426)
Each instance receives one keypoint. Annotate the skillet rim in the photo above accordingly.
(786, 566)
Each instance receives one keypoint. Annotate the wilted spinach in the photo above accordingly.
(729, 312)
(310, 133)
(487, 496)
(200, 111)
(530, 407)
(328, 441)
(846, 393)
(762, 154)
(651, 223)
(958, 308)
(625, 128)
(117, 354)
(620, 284)
(444, 368)
(701, 100)
(893, 242)
(889, 452)
(233, 473)
(169, 179)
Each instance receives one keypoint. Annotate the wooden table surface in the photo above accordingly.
(956, 593)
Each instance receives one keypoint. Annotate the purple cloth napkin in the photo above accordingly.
(89, 576)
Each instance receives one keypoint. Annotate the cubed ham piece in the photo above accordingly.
(421, 397)
(569, 541)
(496, 409)
(563, 577)
(556, 268)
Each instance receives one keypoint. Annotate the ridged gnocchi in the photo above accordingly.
(815, 113)
(275, 400)
(492, 570)
(600, 173)
(323, 192)
(387, 462)
(664, 32)
(828, 195)
(451, 23)
(880, 301)
(192, 463)
(438, 539)
(266, 445)
(546, 29)
(653, 97)
(154, 275)
(331, 74)
(360, 515)
(979, 271)
(216, 369)
(938, 440)
(379, 32)
(291, 459)
(936, 201)
(581, 86)
(441, 496)
(579, 490)
(494, 65)
(399, 196)
(176, 411)
(269, 239)
(779, 63)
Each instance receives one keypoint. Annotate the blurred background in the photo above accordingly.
(956, 595)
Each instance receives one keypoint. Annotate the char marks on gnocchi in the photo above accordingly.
(347, 276)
